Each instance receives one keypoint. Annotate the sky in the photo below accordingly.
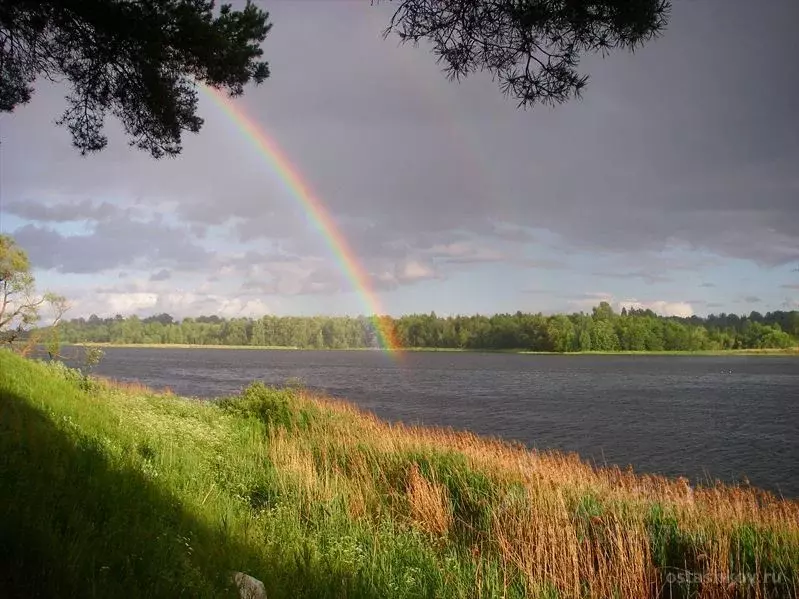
(673, 184)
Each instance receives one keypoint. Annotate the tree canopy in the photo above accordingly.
(532, 47)
(18, 306)
(600, 330)
(19, 303)
(141, 61)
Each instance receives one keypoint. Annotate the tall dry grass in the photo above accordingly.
(565, 526)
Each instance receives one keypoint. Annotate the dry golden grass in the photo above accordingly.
(429, 503)
(535, 524)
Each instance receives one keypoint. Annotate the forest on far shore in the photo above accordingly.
(602, 329)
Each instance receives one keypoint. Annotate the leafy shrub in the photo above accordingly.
(274, 407)
(73, 375)
(92, 356)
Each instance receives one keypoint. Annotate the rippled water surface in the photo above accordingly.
(702, 417)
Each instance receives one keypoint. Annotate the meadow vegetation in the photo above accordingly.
(113, 489)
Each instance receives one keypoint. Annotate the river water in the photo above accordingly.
(703, 417)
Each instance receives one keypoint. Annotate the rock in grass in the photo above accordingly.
(249, 587)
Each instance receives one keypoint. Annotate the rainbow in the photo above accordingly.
(315, 212)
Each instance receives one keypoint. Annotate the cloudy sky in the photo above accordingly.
(673, 184)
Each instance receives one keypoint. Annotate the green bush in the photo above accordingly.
(72, 375)
(272, 406)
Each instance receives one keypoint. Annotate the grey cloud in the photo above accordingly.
(464, 252)
(790, 286)
(476, 259)
(393, 259)
(649, 277)
(752, 299)
(651, 266)
(62, 211)
(284, 274)
(161, 275)
(130, 299)
(406, 272)
(511, 232)
(542, 264)
(708, 285)
(198, 230)
(598, 296)
(729, 197)
(268, 225)
(129, 286)
(313, 284)
(112, 244)
(254, 259)
(321, 279)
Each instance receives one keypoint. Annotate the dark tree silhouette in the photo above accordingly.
(138, 60)
(141, 60)
(533, 47)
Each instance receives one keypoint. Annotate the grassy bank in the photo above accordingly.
(112, 491)
(794, 351)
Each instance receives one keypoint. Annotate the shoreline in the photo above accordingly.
(722, 352)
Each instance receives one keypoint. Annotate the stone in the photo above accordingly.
(249, 587)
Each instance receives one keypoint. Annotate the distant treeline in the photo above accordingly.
(601, 330)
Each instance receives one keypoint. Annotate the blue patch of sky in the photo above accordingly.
(11, 223)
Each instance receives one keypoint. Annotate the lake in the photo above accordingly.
(704, 417)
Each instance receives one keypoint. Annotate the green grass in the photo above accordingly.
(109, 491)
(108, 494)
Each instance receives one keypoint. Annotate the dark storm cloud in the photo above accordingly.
(674, 143)
(112, 244)
(708, 160)
(692, 141)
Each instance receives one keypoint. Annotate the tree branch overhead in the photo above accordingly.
(532, 47)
